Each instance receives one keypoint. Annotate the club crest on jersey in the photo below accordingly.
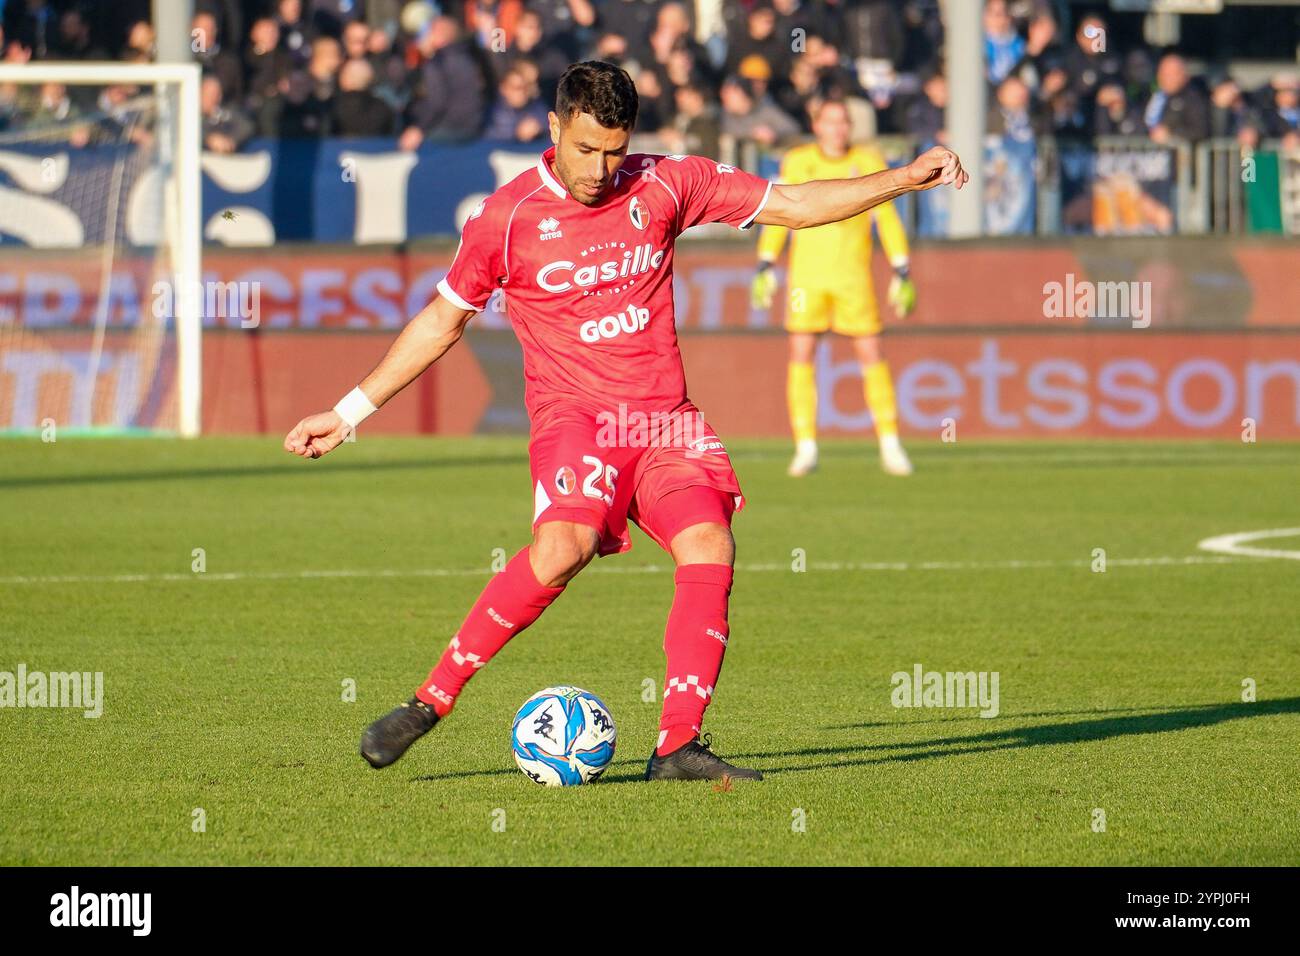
(638, 213)
(565, 481)
(549, 228)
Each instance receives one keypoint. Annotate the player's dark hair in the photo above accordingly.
(601, 89)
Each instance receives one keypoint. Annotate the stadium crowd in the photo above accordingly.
(458, 70)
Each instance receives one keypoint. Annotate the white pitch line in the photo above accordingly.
(1012, 565)
(1232, 544)
(931, 455)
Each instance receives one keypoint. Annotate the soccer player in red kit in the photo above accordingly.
(582, 245)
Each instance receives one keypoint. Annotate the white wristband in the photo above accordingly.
(354, 408)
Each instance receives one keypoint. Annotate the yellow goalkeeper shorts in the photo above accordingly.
(851, 312)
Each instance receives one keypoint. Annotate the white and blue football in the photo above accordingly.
(563, 737)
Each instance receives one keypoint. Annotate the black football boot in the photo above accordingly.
(388, 737)
(694, 760)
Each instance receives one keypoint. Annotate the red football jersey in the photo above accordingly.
(589, 290)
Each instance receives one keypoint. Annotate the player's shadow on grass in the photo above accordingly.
(1078, 731)
(1074, 732)
(961, 719)
(284, 469)
(620, 771)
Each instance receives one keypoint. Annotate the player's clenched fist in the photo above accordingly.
(317, 434)
(938, 166)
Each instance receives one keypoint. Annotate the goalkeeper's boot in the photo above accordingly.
(694, 760)
(805, 458)
(388, 737)
(893, 459)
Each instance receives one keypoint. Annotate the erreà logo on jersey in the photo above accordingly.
(638, 213)
(562, 275)
(549, 228)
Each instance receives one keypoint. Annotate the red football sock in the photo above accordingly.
(511, 601)
(695, 641)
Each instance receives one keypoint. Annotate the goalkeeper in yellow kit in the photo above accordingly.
(830, 288)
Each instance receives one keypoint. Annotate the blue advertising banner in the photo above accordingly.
(365, 191)
(350, 191)
(1010, 186)
(56, 197)
(361, 191)
(1010, 191)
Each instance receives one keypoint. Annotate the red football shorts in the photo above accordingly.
(665, 472)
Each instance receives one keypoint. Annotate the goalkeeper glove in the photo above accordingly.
(902, 293)
(763, 288)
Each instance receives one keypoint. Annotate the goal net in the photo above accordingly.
(99, 248)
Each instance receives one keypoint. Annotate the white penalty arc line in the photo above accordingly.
(1233, 544)
(1010, 565)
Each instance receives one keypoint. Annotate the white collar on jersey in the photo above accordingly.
(548, 178)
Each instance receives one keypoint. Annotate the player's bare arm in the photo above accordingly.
(830, 200)
(426, 338)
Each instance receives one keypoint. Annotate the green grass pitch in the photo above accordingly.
(1120, 691)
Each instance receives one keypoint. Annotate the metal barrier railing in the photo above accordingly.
(1205, 193)
(895, 149)
(1289, 174)
(1223, 197)
(1117, 205)
(1047, 175)
(1226, 167)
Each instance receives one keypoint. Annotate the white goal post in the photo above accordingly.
(173, 155)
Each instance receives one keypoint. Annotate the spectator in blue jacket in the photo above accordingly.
(1003, 46)
(451, 94)
(519, 114)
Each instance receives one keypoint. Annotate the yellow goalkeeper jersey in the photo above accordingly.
(838, 254)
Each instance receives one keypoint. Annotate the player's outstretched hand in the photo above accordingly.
(316, 434)
(937, 166)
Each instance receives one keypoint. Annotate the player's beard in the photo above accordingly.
(577, 188)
